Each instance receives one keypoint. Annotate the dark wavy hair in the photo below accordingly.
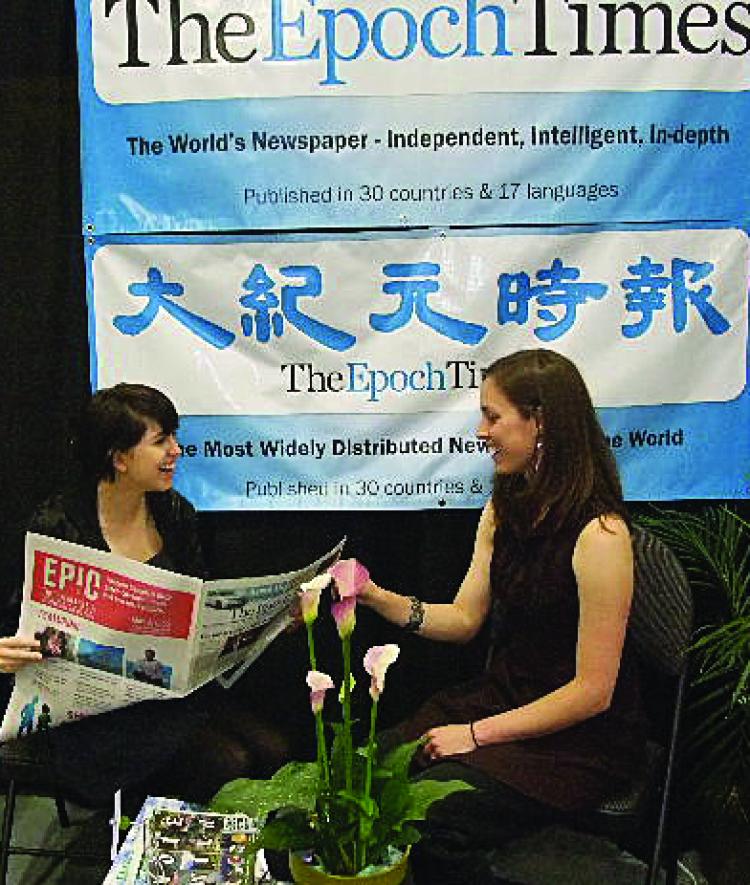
(576, 469)
(114, 421)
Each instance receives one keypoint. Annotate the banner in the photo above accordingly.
(281, 114)
(325, 372)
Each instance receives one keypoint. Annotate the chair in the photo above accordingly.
(661, 623)
(25, 768)
(639, 819)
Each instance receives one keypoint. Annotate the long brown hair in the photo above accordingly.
(576, 468)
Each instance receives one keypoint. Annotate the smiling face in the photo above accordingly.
(511, 436)
(150, 464)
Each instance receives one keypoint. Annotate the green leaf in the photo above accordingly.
(423, 793)
(714, 548)
(338, 761)
(294, 785)
(290, 831)
(352, 686)
(357, 802)
(396, 763)
(408, 836)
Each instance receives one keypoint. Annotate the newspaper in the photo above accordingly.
(114, 631)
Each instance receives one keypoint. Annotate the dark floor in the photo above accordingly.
(561, 857)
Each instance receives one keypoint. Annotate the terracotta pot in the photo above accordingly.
(305, 874)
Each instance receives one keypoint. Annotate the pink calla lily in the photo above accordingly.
(318, 683)
(377, 660)
(344, 614)
(349, 580)
(309, 597)
(350, 577)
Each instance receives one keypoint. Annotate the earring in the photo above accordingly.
(538, 452)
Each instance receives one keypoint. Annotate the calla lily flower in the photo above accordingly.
(377, 660)
(344, 614)
(318, 683)
(350, 577)
(309, 597)
(349, 580)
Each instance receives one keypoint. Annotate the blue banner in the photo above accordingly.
(282, 114)
(320, 372)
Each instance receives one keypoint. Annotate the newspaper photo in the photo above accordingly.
(114, 631)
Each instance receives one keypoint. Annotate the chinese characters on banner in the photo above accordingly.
(278, 340)
(342, 371)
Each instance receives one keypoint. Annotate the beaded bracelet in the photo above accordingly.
(416, 615)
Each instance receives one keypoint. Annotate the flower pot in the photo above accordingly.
(304, 873)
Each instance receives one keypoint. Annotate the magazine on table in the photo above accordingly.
(173, 841)
(114, 631)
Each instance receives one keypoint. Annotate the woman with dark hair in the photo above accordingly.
(555, 723)
(124, 503)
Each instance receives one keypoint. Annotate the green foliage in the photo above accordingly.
(354, 803)
(714, 548)
(401, 801)
(291, 830)
(339, 760)
(293, 786)
(340, 825)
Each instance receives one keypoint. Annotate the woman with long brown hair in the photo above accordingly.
(555, 722)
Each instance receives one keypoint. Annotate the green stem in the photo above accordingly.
(323, 766)
(346, 645)
(322, 752)
(362, 859)
(332, 850)
(370, 748)
(311, 646)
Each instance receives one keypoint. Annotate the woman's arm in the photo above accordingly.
(457, 621)
(603, 566)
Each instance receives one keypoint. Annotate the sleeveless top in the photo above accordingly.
(535, 630)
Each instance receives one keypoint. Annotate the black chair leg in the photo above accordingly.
(62, 811)
(10, 807)
(670, 864)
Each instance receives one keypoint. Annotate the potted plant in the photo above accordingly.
(351, 813)
(714, 546)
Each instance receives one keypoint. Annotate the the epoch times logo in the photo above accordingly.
(153, 50)
(375, 383)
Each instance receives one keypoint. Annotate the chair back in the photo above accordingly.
(661, 616)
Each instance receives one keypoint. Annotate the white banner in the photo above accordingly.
(150, 52)
(321, 372)
(296, 114)
(404, 325)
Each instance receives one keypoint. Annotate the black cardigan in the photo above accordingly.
(72, 516)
